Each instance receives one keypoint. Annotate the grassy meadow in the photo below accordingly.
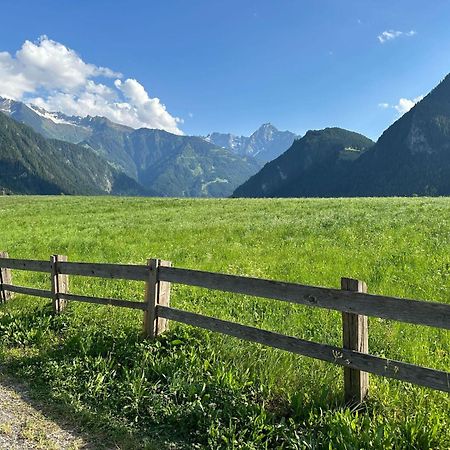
(195, 389)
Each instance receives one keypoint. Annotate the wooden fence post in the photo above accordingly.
(355, 337)
(156, 293)
(5, 278)
(60, 283)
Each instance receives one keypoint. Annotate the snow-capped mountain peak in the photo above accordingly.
(55, 117)
(6, 105)
(265, 144)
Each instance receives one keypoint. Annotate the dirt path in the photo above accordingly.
(24, 426)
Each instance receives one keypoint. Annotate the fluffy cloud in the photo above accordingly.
(56, 78)
(389, 35)
(403, 105)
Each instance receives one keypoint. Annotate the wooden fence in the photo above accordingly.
(352, 300)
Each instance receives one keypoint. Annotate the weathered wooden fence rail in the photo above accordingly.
(352, 300)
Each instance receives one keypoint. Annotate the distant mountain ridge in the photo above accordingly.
(412, 157)
(162, 163)
(50, 125)
(31, 164)
(174, 165)
(311, 167)
(265, 144)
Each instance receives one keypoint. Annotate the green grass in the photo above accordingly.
(195, 389)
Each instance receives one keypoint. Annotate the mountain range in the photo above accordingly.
(31, 164)
(45, 152)
(311, 167)
(159, 162)
(265, 144)
(412, 157)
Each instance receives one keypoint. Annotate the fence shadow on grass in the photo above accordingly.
(136, 393)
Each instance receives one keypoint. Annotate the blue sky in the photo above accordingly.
(232, 65)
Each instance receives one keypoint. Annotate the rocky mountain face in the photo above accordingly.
(109, 140)
(265, 144)
(160, 162)
(179, 166)
(412, 157)
(50, 125)
(31, 164)
(227, 140)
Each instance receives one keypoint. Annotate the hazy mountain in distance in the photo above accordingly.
(412, 157)
(185, 166)
(313, 166)
(50, 125)
(265, 144)
(32, 164)
(170, 164)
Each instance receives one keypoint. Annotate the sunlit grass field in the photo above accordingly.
(195, 389)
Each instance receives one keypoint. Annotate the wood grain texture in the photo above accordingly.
(403, 310)
(423, 376)
(113, 271)
(59, 282)
(25, 264)
(355, 336)
(29, 291)
(104, 301)
(163, 289)
(5, 278)
(151, 298)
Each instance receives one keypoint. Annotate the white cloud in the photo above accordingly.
(403, 105)
(389, 35)
(56, 78)
(14, 83)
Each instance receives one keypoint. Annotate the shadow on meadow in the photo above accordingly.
(175, 392)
